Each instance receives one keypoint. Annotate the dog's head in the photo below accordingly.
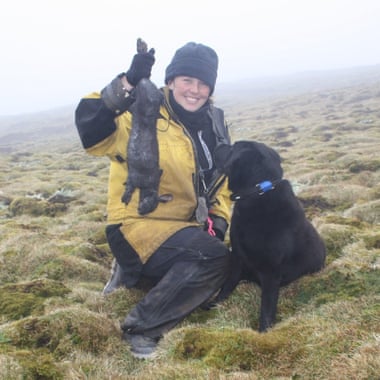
(247, 163)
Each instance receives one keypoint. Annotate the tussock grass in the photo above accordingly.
(54, 258)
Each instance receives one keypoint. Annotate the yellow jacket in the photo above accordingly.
(180, 174)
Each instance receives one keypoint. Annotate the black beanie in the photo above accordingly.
(194, 60)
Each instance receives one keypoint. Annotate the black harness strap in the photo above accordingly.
(259, 189)
(216, 184)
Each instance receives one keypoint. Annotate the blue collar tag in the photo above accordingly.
(265, 186)
(259, 189)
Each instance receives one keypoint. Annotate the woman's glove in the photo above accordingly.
(142, 63)
(115, 95)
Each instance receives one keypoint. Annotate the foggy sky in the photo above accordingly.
(54, 52)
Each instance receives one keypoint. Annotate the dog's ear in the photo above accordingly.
(267, 152)
(221, 154)
(275, 156)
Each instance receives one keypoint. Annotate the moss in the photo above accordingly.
(234, 350)
(95, 253)
(9, 253)
(201, 316)
(357, 167)
(293, 349)
(63, 332)
(344, 205)
(334, 286)
(336, 237)
(372, 241)
(119, 302)
(331, 156)
(93, 213)
(313, 205)
(41, 287)
(16, 306)
(38, 364)
(4, 338)
(68, 267)
(35, 207)
(104, 250)
(23, 299)
(370, 314)
(374, 192)
(353, 222)
(98, 236)
(368, 212)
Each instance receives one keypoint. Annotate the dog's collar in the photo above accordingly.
(259, 189)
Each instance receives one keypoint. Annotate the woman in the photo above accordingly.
(178, 246)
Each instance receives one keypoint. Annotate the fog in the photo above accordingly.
(54, 52)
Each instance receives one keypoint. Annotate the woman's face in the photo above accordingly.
(191, 93)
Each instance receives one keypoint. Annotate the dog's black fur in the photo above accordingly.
(272, 242)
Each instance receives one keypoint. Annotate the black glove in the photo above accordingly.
(141, 67)
(116, 98)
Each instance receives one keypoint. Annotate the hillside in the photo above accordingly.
(54, 260)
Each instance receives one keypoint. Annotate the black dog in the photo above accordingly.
(272, 242)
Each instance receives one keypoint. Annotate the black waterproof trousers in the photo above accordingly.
(187, 270)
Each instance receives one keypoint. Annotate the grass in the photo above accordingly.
(54, 259)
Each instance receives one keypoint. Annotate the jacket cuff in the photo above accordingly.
(116, 97)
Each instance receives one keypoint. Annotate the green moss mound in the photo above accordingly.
(63, 267)
(372, 241)
(233, 350)
(23, 299)
(35, 207)
(38, 364)
(333, 286)
(371, 165)
(64, 331)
